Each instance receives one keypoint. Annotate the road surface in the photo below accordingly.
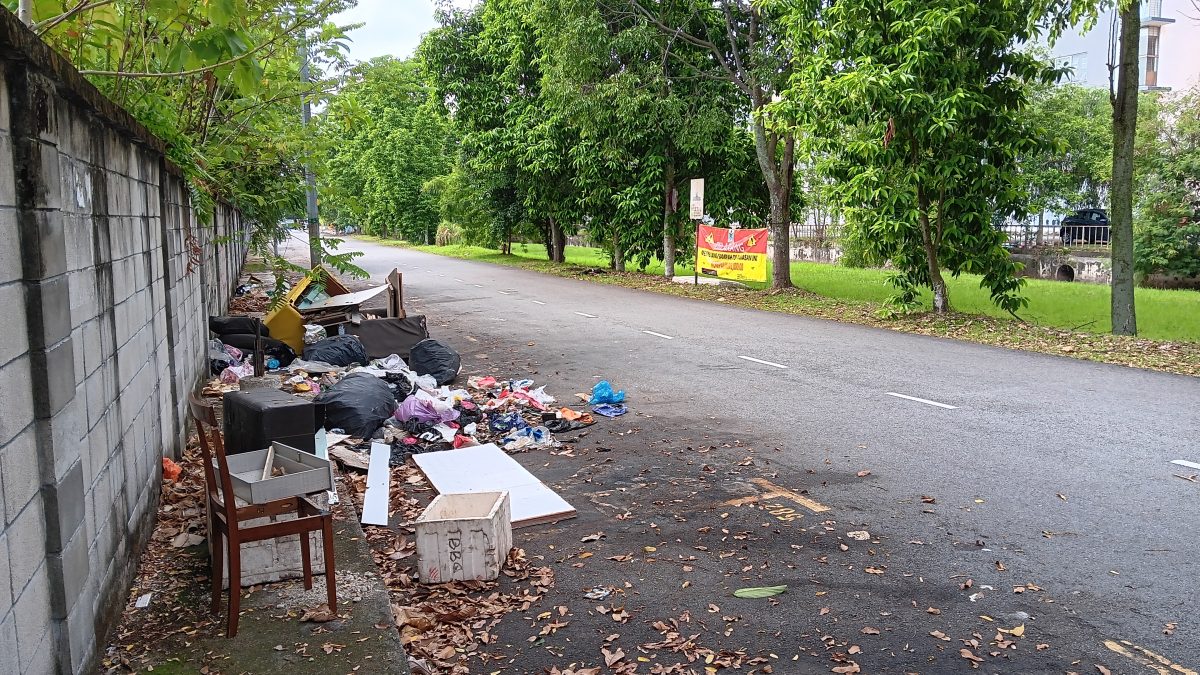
(1047, 482)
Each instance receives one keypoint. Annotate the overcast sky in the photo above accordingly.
(396, 26)
(392, 27)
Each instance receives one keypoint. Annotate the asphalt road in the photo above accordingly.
(1014, 470)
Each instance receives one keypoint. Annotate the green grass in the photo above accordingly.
(1161, 314)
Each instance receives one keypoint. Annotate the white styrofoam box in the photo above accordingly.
(464, 536)
(270, 560)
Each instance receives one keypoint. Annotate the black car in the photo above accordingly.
(1085, 226)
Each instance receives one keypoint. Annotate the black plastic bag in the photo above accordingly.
(272, 348)
(339, 350)
(358, 404)
(231, 325)
(430, 357)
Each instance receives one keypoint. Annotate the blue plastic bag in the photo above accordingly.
(603, 393)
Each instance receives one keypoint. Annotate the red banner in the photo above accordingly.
(732, 254)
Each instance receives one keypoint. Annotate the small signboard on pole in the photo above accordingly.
(697, 203)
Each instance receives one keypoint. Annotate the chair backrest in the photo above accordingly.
(212, 447)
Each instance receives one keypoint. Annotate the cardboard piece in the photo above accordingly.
(493, 470)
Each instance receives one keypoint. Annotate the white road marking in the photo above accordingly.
(1184, 462)
(537, 302)
(665, 337)
(922, 400)
(765, 363)
(590, 316)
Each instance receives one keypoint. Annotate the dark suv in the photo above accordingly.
(1085, 226)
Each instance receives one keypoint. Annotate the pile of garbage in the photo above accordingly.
(410, 405)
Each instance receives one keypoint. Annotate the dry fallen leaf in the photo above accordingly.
(863, 474)
(593, 537)
(869, 630)
(1103, 670)
(318, 614)
(874, 570)
(612, 657)
(851, 667)
(926, 499)
(1061, 496)
(859, 535)
(854, 649)
(1000, 566)
(1169, 629)
(940, 635)
(933, 610)
(969, 655)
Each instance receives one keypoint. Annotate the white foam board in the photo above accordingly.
(379, 483)
(487, 468)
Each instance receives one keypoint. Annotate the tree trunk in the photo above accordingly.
(618, 261)
(778, 176)
(558, 243)
(1125, 104)
(1041, 225)
(941, 297)
(668, 226)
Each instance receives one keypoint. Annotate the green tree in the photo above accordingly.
(386, 137)
(915, 111)
(747, 42)
(219, 82)
(1167, 228)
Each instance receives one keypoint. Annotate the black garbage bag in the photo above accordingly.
(272, 348)
(358, 404)
(430, 357)
(231, 325)
(339, 350)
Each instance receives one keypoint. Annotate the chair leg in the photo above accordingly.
(306, 561)
(235, 587)
(218, 563)
(327, 548)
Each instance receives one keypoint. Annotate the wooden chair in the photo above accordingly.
(225, 518)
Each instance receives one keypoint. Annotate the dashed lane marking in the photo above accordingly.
(765, 363)
(590, 316)
(1140, 655)
(665, 337)
(922, 400)
(774, 491)
(1184, 462)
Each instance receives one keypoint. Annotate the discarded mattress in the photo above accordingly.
(384, 337)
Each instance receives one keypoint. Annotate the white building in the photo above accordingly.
(1168, 52)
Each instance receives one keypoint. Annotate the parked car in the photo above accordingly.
(1085, 226)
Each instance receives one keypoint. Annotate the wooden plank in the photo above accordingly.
(348, 457)
(493, 470)
(379, 483)
(395, 282)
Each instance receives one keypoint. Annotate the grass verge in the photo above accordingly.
(1063, 319)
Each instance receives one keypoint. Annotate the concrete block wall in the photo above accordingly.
(106, 279)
